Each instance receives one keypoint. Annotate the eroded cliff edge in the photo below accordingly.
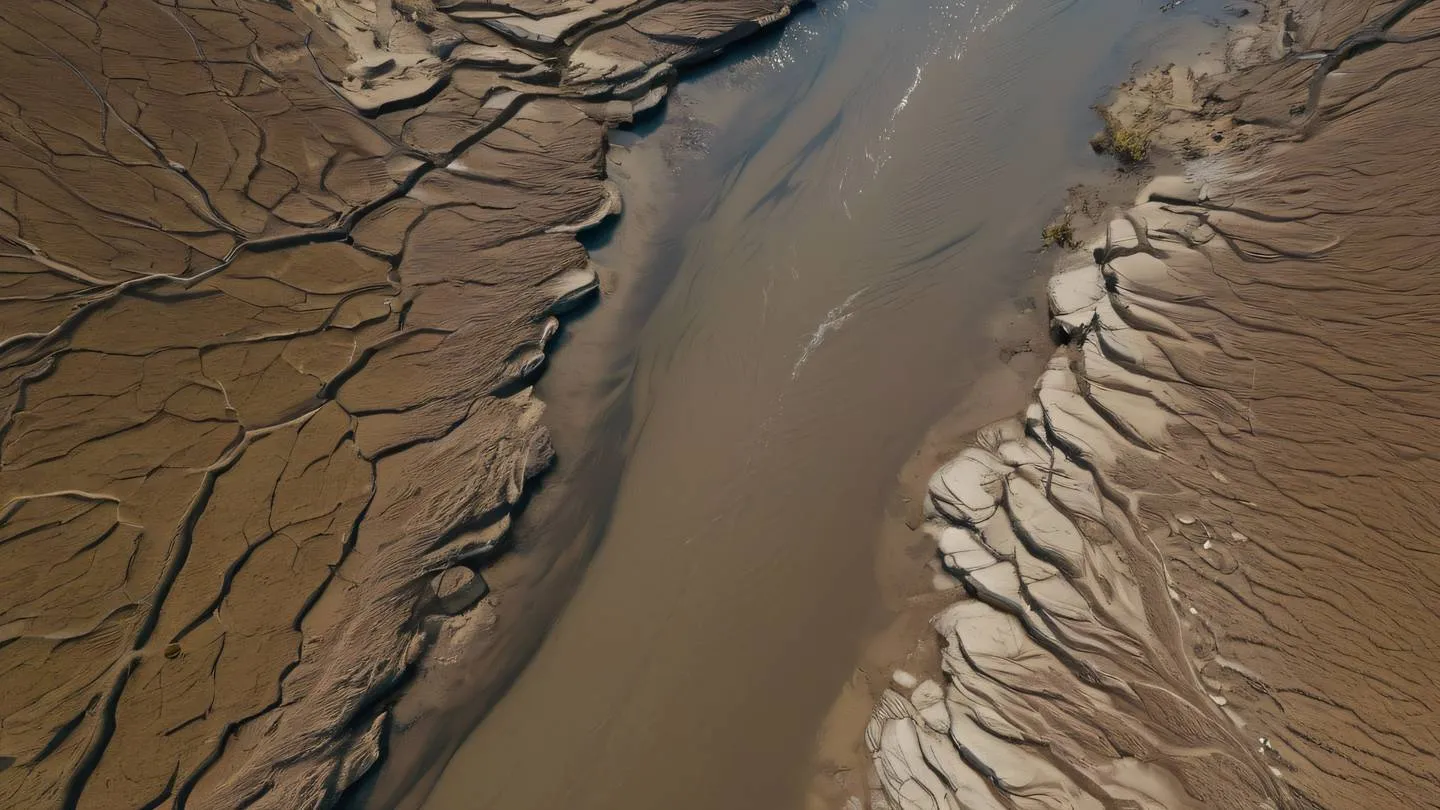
(1201, 570)
(276, 279)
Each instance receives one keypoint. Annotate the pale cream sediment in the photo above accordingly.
(1066, 682)
(1201, 570)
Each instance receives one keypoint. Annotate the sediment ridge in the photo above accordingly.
(277, 278)
(1201, 571)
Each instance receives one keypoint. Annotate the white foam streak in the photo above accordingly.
(834, 319)
(949, 17)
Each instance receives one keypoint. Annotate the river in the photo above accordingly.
(829, 248)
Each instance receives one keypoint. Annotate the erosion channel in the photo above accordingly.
(829, 242)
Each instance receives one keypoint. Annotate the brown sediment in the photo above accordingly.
(276, 281)
(1201, 570)
(756, 533)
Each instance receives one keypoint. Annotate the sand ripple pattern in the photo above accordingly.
(1202, 569)
(274, 282)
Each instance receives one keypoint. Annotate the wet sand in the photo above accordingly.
(862, 238)
(1199, 571)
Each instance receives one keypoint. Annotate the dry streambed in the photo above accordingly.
(274, 280)
(1200, 570)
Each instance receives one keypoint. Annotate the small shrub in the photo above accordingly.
(1130, 144)
(1060, 233)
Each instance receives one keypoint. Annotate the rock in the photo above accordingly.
(458, 588)
(1073, 294)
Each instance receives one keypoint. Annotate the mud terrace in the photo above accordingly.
(1201, 570)
(274, 281)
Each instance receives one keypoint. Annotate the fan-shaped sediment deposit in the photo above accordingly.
(1202, 570)
(274, 279)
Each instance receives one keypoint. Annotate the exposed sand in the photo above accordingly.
(276, 281)
(1200, 571)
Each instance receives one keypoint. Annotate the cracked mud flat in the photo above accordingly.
(1201, 570)
(275, 282)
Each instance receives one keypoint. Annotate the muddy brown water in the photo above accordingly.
(829, 242)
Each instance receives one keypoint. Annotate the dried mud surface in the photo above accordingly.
(276, 279)
(1201, 570)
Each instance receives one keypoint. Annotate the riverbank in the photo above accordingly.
(821, 243)
(278, 281)
(1194, 572)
